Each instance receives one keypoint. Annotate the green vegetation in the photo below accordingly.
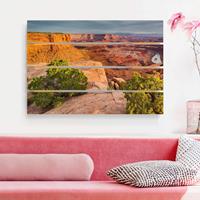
(143, 82)
(58, 63)
(144, 102)
(47, 100)
(56, 79)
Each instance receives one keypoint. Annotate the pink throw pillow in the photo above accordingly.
(56, 167)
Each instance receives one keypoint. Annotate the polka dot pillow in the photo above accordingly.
(188, 152)
(154, 174)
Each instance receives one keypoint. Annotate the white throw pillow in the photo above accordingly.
(154, 174)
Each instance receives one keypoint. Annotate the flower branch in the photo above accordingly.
(178, 19)
(196, 53)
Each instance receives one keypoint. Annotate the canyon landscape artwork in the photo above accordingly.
(95, 67)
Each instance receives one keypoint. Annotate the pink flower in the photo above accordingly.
(190, 27)
(176, 19)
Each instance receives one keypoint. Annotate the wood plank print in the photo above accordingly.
(95, 67)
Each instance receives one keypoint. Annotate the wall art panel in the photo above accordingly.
(95, 67)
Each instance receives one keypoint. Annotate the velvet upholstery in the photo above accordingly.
(45, 167)
(87, 190)
(105, 152)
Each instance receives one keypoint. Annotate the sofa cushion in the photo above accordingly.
(154, 174)
(84, 190)
(188, 152)
(45, 167)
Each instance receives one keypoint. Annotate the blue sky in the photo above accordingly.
(97, 26)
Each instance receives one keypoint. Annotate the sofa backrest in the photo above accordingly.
(105, 152)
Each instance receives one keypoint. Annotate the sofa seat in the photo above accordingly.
(85, 190)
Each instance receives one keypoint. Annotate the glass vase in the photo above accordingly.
(193, 117)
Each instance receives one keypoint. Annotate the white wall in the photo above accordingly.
(181, 79)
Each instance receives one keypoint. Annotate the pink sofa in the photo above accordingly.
(106, 153)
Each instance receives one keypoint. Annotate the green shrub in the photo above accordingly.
(144, 102)
(158, 102)
(56, 79)
(145, 82)
(58, 63)
(37, 83)
(66, 79)
(47, 99)
(138, 103)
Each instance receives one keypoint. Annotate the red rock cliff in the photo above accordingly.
(45, 53)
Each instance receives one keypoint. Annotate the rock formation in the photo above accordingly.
(110, 55)
(48, 37)
(117, 82)
(123, 54)
(36, 70)
(37, 53)
(101, 103)
(96, 76)
(65, 37)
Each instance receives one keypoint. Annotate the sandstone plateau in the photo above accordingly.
(66, 37)
(101, 103)
(48, 37)
(107, 54)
